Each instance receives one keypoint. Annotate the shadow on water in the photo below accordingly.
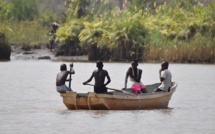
(106, 112)
(168, 110)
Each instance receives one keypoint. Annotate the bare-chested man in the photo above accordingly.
(99, 76)
(135, 75)
(62, 78)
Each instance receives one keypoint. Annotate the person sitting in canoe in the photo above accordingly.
(165, 78)
(99, 76)
(62, 78)
(135, 75)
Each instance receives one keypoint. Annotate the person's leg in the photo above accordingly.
(144, 90)
(63, 89)
(136, 88)
(158, 90)
(68, 89)
(60, 90)
(51, 43)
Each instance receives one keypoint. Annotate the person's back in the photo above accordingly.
(62, 78)
(99, 76)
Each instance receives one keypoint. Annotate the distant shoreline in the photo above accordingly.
(43, 53)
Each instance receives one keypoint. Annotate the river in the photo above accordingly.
(29, 103)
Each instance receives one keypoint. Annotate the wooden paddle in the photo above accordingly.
(114, 89)
(70, 77)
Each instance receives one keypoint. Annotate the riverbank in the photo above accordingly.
(42, 53)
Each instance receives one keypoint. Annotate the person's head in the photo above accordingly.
(134, 63)
(99, 64)
(55, 25)
(63, 67)
(165, 65)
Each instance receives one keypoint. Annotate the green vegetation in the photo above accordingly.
(25, 33)
(23, 24)
(178, 31)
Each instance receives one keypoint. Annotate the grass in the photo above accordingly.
(196, 51)
(27, 33)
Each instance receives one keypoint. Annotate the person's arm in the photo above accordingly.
(108, 79)
(72, 71)
(126, 77)
(67, 75)
(160, 75)
(91, 77)
(139, 76)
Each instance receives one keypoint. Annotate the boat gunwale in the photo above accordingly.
(125, 96)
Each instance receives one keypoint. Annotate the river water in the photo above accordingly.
(29, 103)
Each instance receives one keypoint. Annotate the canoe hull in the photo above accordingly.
(93, 101)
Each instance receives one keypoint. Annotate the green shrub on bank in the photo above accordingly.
(23, 24)
(180, 32)
(18, 10)
(158, 34)
(27, 33)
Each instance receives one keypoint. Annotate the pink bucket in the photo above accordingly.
(137, 87)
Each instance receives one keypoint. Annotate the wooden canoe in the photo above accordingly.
(118, 100)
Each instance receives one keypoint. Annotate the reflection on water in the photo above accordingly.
(29, 102)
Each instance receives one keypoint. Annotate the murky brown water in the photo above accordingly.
(29, 102)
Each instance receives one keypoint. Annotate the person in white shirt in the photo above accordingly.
(165, 78)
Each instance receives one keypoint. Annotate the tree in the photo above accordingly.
(78, 8)
(121, 2)
(22, 10)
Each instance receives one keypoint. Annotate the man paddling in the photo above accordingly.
(99, 76)
(62, 78)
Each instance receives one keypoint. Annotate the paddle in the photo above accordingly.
(70, 77)
(113, 89)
